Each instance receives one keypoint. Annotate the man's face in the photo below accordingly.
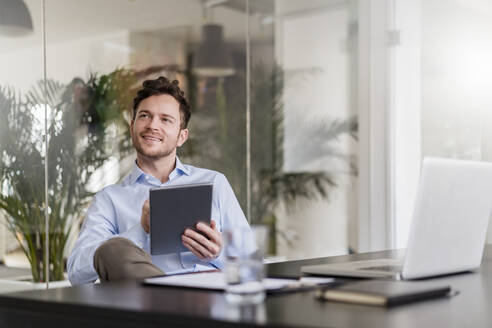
(156, 128)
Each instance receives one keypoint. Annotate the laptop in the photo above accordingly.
(448, 230)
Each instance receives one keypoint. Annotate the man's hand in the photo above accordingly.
(145, 218)
(206, 246)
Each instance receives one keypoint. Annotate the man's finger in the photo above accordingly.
(145, 218)
(211, 233)
(199, 248)
(217, 236)
(203, 241)
(200, 256)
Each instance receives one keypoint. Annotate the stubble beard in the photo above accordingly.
(158, 154)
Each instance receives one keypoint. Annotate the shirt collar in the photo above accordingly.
(137, 172)
(180, 167)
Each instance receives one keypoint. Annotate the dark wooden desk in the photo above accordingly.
(129, 304)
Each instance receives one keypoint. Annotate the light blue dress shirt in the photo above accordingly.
(116, 211)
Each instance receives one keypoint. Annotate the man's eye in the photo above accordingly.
(143, 115)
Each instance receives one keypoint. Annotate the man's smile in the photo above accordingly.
(151, 138)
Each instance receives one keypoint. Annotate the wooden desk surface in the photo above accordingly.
(129, 304)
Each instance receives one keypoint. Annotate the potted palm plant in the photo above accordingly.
(225, 140)
(83, 132)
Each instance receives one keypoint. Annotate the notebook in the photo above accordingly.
(215, 280)
(383, 293)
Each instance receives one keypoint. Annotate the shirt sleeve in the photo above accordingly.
(231, 214)
(99, 226)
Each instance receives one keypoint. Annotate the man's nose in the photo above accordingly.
(153, 123)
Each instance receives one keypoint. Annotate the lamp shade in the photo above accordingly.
(15, 19)
(212, 58)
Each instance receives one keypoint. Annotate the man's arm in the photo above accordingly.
(99, 226)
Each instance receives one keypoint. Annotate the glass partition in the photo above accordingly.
(23, 115)
(279, 121)
(456, 100)
(98, 58)
(304, 125)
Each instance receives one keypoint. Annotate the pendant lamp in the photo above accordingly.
(212, 58)
(15, 19)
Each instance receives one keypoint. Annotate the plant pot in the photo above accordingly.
(22, 283)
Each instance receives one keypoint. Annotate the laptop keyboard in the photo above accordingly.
(387, 268)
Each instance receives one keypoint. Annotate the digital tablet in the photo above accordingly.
(173, 209)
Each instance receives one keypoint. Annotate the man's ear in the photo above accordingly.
(183, 136)
(132, 122)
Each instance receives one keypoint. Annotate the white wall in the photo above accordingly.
(21, 69)
(457, 79)
(389, 121)
(405, 106)
(78, 58)
(65, 60)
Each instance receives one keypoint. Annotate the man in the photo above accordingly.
(114, 240)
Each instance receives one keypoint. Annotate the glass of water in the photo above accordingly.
(245, 248)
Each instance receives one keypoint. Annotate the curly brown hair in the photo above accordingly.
(163, 86)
